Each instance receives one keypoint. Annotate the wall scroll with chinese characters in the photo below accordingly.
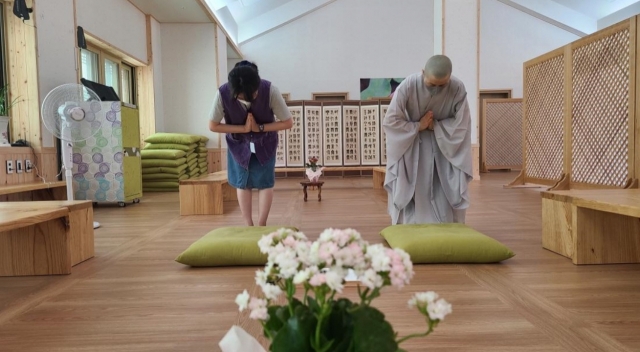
(351, 132)
(332, 133)
(295, 136)
(384, 106)
(313, 130)
(370, 132)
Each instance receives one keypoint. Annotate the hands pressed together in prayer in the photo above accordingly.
(426, 122)
(251, 125)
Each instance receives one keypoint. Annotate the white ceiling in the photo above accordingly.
(173, 11)
(247, 19)
(596, 9)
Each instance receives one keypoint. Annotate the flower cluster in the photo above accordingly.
(312, 164)
(321, 268)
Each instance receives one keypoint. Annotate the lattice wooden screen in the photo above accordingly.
(502, 134)
(544, 120)
(600, 113)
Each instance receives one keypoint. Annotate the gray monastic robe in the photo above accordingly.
(428, 171)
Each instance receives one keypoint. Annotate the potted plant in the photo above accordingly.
(5, 106)
(313, 169)
(317, 319)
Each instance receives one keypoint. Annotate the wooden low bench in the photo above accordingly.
(34, 191)
(205, 195)
(592, 226)
(378, 177)
(45, 237)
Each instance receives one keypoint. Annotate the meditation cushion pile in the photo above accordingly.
(169, 158)
(228, 246)
(445, 243)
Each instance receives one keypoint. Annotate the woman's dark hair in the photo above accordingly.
(245, 80)
(247, 63)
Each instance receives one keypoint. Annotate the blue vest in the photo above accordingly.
(266, 143)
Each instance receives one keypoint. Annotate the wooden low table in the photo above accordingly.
(306, 184)
(379, 174)
(592, 226)
(205, 195)
(80, 221)
(34, 191)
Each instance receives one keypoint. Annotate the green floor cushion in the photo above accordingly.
(179, 170)
(183, 147)
(202, 150)
(164, 177)
(173, 138)
(445, 243)
(228, 246)
(163, 162)
(203, 165)
(195, 172)
(152, 189)
(160, 184)
(192, 156)
(170, 154)
(203, 139)
(202, 155)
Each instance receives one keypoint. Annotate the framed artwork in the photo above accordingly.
(351, 133)
(313, 130)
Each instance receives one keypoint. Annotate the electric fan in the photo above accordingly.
(70, 112)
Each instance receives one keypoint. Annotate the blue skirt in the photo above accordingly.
(256, 177)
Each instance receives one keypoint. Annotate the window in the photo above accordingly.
(99, 66)
(126, 81)
(90, 66)
(111, 73)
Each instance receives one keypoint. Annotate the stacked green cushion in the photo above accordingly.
(228, 246)
(164, 177)
(445, 243)
(183, 147)
(170, 154)
(173, 138)
(165, 170)
(169, 158)
(146, 163)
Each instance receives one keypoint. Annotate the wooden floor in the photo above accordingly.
(133, 296)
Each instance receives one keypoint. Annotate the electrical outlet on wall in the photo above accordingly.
(27, 165)
(9, 166)
(19, 166)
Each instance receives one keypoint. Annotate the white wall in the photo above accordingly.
(56, 50)
(222, 55)
(510, 37)
(461, 46)
(189, 77)
(156, 49)
(117, 22)
(330, 49)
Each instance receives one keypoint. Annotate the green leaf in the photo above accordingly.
(313, 305)
(296, 334)
(339, 327)
(278, 315)
(372, 332)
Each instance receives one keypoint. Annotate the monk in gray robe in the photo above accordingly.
(428, 128)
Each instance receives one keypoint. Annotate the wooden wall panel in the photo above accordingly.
(23, 77)
(217, 159)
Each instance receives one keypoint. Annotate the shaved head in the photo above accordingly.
(438, 66)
